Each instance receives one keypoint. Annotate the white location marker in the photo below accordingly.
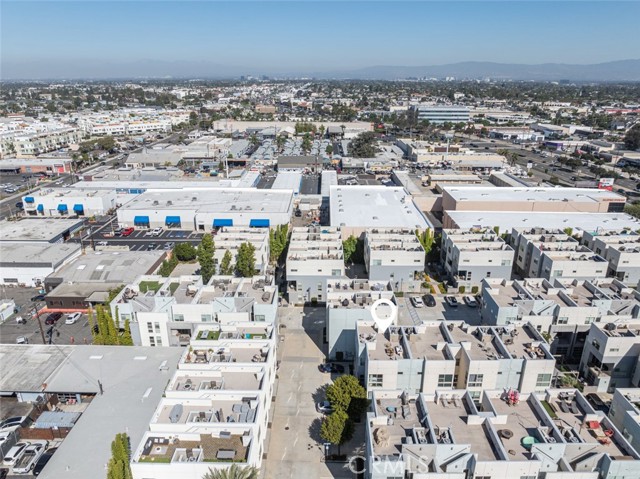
(384, 313)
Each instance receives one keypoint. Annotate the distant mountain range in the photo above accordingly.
(622, 70)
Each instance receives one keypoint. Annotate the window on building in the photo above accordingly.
(158, 341)
(445, 380)
(156, 326)
(259, 317)
(150, 327)
(475, 380)
(563, 320)
(152, 341)
(178, 317)
(336, 272)
(375, 380)
(376, 262)
(206, 318)
(543, 380)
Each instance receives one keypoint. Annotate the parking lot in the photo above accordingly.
(410, 315)
(142, 240)
(59, 333)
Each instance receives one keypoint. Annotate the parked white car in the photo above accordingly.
(30, 456)
(72, 318)
(470, 301)
(156, 231)
(14, 454)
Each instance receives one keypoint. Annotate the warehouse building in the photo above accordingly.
(202, 209)
(70, 202)
(41, 230)
(28, 264)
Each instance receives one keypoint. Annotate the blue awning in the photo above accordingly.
(141, 220)
(222, 222)
(40, 207)
(259, 223)
(78, 208)
(62, 207)
(28, 199)
(172, 220)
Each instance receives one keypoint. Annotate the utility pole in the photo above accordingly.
(35, 309)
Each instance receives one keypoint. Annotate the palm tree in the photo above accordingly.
(233, 472)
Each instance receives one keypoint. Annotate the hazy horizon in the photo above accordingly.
(96, 39)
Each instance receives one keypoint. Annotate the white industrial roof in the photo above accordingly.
(506, 220)
(371, 206)
(37, 229)
(288, 180)
(506, 194)
(21, 254)
(213, 200)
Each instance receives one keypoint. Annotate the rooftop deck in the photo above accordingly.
(216, 411)
(449, 419)
(483, 345)
(401, 419)
(522, 421)
(425, 345)
(164, 449)
(231, 379)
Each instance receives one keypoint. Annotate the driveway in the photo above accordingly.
(295, 448)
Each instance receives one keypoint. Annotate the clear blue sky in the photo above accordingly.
(318, 36)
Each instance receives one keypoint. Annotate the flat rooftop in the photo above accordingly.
(522, 421)
(38, 229)
(382, 347)
(521, 343)
(228, 353)
(26, 368)
(425, 345)
(219, 410)
(110, 267)
(507, 194)
(371, 206)
(70, 192)
(483, 345)
(506, 220)
(228, 378)
(17, 255)
(133, 380)
(405, 418)
(214, 201)
(451, 415)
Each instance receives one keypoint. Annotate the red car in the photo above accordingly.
(127, 231)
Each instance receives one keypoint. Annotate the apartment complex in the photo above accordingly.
(469, 256)
(215, 408)
(230, 238)
(314, 257)
(624, 412)
(531, 243)
(168, 311)
(447, 434)
(33, 144)
(610, 355)
(451, 356)
(349, 301)
(393, 254)
(563, 309)
(621, 249)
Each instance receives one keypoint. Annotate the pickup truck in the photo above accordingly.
(29, 458)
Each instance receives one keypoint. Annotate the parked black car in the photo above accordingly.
(429, 300)
(332, 368)
(43, 461)
(39, 297)
(52, 318)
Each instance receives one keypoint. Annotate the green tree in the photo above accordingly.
(632, 137)
(253, 139)
(633, 210)
(306, 143)
(246, 260)
(337, 428)
(106, 143)
(185, 252)
(363, 145)
(105, 330)
(233, 472)
(118, 466)
(349, 247)
(278, 239)
(193, 118)
(280, 141)
(426, 239)
(226, 267)
(329, 149)
(206, 249)
(347, 394)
